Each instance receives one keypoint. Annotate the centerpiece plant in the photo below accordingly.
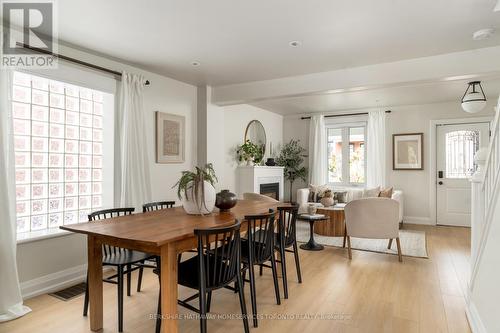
(196, 189)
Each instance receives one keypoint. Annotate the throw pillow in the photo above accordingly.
(316, 192)
(341, 197)
(386, 192)
(371, 192)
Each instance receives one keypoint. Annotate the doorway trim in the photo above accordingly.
(434, 123)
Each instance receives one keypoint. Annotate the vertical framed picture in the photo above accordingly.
(170, 138)
(408, 151)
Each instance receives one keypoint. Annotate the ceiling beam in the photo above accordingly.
(445, 67)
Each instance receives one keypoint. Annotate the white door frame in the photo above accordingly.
(433, 156)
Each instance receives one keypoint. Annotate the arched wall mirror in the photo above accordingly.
(256, 133)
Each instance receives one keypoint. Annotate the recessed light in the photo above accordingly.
(294, 43)
(483, 34)
(195, 63)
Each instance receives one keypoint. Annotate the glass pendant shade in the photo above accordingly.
(474, 99)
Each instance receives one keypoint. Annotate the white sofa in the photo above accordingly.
(352, 194)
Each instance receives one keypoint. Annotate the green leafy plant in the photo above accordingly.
(194, 183)
(249, 151)
(291, 157)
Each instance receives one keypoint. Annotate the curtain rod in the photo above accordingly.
(76, 61)
(344, 115)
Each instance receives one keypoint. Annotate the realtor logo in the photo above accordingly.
(28, 34)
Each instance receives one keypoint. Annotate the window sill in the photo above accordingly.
(33, 236)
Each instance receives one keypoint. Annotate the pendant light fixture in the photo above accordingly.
(474, 99)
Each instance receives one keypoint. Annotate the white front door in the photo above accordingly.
(456, 146)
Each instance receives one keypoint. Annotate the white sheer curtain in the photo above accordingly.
(11, 301)
(317, 151)
(376, 150)
(134, 179)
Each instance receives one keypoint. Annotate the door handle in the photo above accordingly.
(440, 183)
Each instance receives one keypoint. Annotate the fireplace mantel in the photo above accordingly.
(250, 178)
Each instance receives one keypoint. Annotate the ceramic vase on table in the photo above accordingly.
(205, 202)
(225, 200)
(327, 201)
(311, 209)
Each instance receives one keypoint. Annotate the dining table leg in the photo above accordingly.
(94, 249)
(169, 288)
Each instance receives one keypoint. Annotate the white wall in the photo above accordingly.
(403, 119)
(226, 130)
(63, 254)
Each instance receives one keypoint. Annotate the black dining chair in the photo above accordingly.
(152, 206)
(284, 239)
(257, 249)
(216, 266)
(126, 261)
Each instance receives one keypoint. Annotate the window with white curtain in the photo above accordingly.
(59, 140)
(346, 154)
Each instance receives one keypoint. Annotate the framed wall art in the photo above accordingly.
(170, 138)
(408, 151)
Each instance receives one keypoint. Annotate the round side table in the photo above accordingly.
(311, 245)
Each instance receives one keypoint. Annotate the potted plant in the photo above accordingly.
(249, 152)
(196, 190)
(291, 158)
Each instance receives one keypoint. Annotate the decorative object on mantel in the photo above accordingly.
(170, 138)
(474, 99)
(408, 151)
(225, 200)
(291, 158)
(271, 162)
(249, 152)
(327, 199)
(196, 190)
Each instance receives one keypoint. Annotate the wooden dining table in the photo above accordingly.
(165, 233)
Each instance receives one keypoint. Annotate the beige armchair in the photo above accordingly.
(258, 197)
(372, 218)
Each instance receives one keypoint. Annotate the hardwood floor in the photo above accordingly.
(371, 293)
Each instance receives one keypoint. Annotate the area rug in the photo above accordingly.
(413, 242)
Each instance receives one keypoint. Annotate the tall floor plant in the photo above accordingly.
(291, 157)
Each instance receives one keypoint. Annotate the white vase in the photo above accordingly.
(250, 162)
(207, 203)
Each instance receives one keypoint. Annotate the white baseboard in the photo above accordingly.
(475, 323)
(54, 281)
(418, 220)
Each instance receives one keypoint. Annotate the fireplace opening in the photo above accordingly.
(271, 190)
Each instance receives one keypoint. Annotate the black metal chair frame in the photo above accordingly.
(123, 269)
(218, 265)
(287, 236)
(261, 244)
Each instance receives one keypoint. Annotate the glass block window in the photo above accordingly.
(461, 146)
(58, 152)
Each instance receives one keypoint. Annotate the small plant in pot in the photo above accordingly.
(249, 152)
(196, 190)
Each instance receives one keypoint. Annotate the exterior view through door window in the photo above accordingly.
(58, 152)
(461, 146)
(346, 155)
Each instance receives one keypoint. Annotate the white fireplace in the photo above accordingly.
(260, 179)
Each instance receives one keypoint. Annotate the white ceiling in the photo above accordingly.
(435, 92)
(241, 40)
